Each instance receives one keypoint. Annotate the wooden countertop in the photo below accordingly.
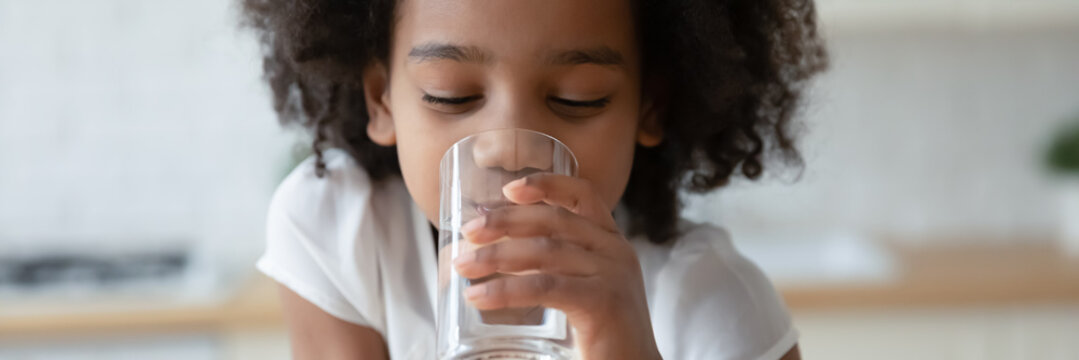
(254, 304)
(955, 275)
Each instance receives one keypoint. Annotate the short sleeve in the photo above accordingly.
(314, 240)
(710, 302)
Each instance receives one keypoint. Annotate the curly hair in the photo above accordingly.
(732, 74)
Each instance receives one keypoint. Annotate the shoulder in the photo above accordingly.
(343, 210)
(323, 236)
(345, 193)
(699, 248)
(304, 192)
(709, 301)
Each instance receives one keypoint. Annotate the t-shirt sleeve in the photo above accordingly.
(710, 302)
(314, 247)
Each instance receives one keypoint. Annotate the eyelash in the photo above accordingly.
(598, 103)
(449, 101)
(464, 100)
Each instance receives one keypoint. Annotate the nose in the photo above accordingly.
(513, 150)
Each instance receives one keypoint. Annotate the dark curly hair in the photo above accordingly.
(732, 73)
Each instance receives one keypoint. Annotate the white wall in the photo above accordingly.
(919, 133)
(133, 123)
(861, 15)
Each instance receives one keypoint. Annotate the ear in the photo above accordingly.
(376, 93)
(649, 130)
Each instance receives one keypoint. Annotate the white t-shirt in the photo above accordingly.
(364, 253)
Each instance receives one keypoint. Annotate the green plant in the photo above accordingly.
(1063, 155)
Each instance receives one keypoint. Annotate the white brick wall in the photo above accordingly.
(128, 122)
(920, 134)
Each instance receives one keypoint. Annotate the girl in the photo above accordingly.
(653, 97)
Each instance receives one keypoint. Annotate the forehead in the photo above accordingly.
(516, 30)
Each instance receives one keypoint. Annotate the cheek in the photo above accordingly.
(420, 173)
(605, 155)
(419, 151)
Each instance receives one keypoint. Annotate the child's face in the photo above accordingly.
(568, 68)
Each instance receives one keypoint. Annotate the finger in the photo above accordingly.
(575, 194)
(537, 253)
(567, 293)
(523, 221)
(447, 253)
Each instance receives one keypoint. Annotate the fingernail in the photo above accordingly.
(473, 226)
(475, 291)
(518, 190)
(464, 258)
(515, 184)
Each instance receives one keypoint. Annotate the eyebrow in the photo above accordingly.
(441, 51)
(598, 55)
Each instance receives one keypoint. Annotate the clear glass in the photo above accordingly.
(472, 173)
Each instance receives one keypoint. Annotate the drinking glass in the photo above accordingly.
(473, 172)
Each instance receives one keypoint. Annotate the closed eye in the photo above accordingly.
(598, 103)
(450, 100)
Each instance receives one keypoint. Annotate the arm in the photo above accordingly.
(315, 334)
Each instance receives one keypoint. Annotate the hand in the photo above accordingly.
(569, 256)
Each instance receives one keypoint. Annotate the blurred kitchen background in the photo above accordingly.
(937, 217)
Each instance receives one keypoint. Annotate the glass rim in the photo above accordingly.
(515, 130)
